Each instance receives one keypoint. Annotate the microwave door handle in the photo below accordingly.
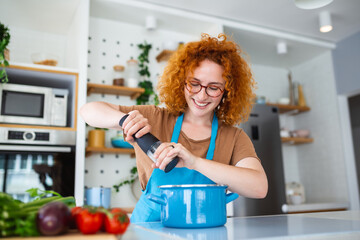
(23, 148)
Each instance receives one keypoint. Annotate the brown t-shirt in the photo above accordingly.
(232, 144)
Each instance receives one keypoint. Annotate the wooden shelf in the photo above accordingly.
(38, 127)
(114, 90)
(91, 150)
(290, 109)
(296, 140)
(164, 55)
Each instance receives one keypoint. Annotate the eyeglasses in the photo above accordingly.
(211, 90)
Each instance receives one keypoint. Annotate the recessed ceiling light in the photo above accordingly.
(150, 23)
(281, 48)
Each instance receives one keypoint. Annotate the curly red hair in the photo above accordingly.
(239, 83)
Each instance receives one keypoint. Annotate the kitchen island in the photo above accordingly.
(325, 225)
(342, 225)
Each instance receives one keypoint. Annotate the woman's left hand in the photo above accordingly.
(168, 151)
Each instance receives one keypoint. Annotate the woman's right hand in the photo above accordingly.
(136, 124)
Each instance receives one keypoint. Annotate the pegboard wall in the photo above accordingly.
(114, 43)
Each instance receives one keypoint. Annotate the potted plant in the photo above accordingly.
(4, 57)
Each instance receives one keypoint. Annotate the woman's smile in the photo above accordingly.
(200, 104)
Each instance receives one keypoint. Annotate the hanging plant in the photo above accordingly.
(4, 42)
(130, 180)
(149, 96)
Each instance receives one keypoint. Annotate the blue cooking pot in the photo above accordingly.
(193, 205)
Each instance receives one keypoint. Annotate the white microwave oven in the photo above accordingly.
(33, 105)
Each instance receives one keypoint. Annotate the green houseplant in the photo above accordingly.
(148, 97)
(4, 42)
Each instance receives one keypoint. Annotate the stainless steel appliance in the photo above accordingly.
(40, 158)
(264, 131)
(35, 105)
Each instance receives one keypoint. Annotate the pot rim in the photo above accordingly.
(192, 185)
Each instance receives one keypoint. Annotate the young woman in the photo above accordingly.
(207, 88)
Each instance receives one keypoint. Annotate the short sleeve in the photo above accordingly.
(243, 148)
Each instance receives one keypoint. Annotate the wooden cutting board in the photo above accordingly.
(70, 236)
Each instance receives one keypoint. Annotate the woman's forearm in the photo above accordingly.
(101, 115)
(248, 182)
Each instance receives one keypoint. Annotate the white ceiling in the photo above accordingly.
(278, 20)
(280, 15)
(269, 20)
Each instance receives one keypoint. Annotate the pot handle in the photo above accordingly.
(156, 199)
(231, 197)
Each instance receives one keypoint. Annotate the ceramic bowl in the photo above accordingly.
(120, 143)
(170, 45)
(284, 133)
(284, 101)
(301, 133)
(296, 199)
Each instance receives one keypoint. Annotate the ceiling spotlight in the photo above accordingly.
(311, 4)
(281, 48)
(150, 23)
(325, 22)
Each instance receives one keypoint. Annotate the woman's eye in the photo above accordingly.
(213, 88)
(194, 84)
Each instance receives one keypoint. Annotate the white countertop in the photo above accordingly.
(307, 207)
(326, 225)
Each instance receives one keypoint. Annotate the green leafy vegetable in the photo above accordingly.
(19, 219)
(38, 193)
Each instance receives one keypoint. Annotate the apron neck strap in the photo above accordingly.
(214, 130)
(177, 129)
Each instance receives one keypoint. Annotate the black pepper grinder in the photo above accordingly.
(149, 143)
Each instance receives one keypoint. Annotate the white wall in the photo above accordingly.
(113, 43)
(273, 84)
(25, 42)
(321, 164)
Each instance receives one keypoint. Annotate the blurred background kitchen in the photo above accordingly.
(306, 128)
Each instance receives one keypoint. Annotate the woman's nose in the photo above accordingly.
(202, 94)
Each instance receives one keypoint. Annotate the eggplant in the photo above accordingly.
(53, 218)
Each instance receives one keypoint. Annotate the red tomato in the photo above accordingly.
(89, 221)
(117, 221)
(74, 212)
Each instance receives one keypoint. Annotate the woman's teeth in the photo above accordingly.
(200, 104)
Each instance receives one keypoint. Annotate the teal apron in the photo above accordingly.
(148, 211)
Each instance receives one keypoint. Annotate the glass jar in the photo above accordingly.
(118, 79)
(132, 79)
